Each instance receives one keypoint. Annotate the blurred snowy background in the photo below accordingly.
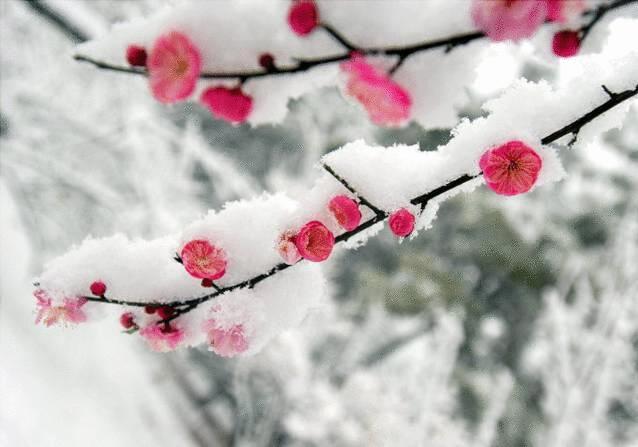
(513, 322)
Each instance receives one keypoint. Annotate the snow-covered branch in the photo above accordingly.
(233, 251)
(390, 75)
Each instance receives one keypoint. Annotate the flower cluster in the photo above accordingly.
(174, 66)
(518, 19)
(509, 169)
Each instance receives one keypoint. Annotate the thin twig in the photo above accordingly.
(362, 199)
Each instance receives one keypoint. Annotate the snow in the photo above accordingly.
(388, 177)
(232, 35)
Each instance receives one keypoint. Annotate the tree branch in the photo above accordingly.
(186, 305)
(403, 52)
(68, 28)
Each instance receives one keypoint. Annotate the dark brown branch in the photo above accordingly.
(338, 37)
(599, 13)
(61, 22)
(402, 52)
(575, 126)
(362, 199)
(422, 200)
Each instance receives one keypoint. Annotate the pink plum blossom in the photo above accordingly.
(98, 288)
(508, 19)
(225, 342)
(303, 17)
(345, 211)
(136, 55)
(402, 222)
(174, 66)
(315, 241)
(566, 43)
(564, 11)
(386, 102)
(202, 259)
(229, 104)
(287, 248)
(127, 320)
(70, 312)
(511, 168)
(162, 337)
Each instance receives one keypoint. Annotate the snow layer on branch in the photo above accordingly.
(389, 178)
(232, 35)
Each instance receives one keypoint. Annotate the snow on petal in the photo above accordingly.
(225, 342)
(161, 337)
(69, 312)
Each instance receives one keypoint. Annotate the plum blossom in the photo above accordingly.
(303, 17)
(229, 104)
(402, 222)
(386, 102)
(127, 320)
(136, 55)
(508, 19)
(287, 248)
(202, 259)
(345, 211)
(174, 66)
(70, 312)
(225, 342)
(564, 11)
(511, 168)
(566, 43)
(162, 337)
(98, 288)
(315, 241)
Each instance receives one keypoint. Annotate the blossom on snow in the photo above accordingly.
(69, 312)
(566, 43)
(386, 102)
(98, 288)
(402, 222)
(511, 168)
(202, 259)
(127, 320)
(136, 55)
(315, 241)
(173, 66)
(303, 17)
(229, 104)
(226, 342)
(287, 248)
(508, 19)
(162, 337)
(345, 211)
